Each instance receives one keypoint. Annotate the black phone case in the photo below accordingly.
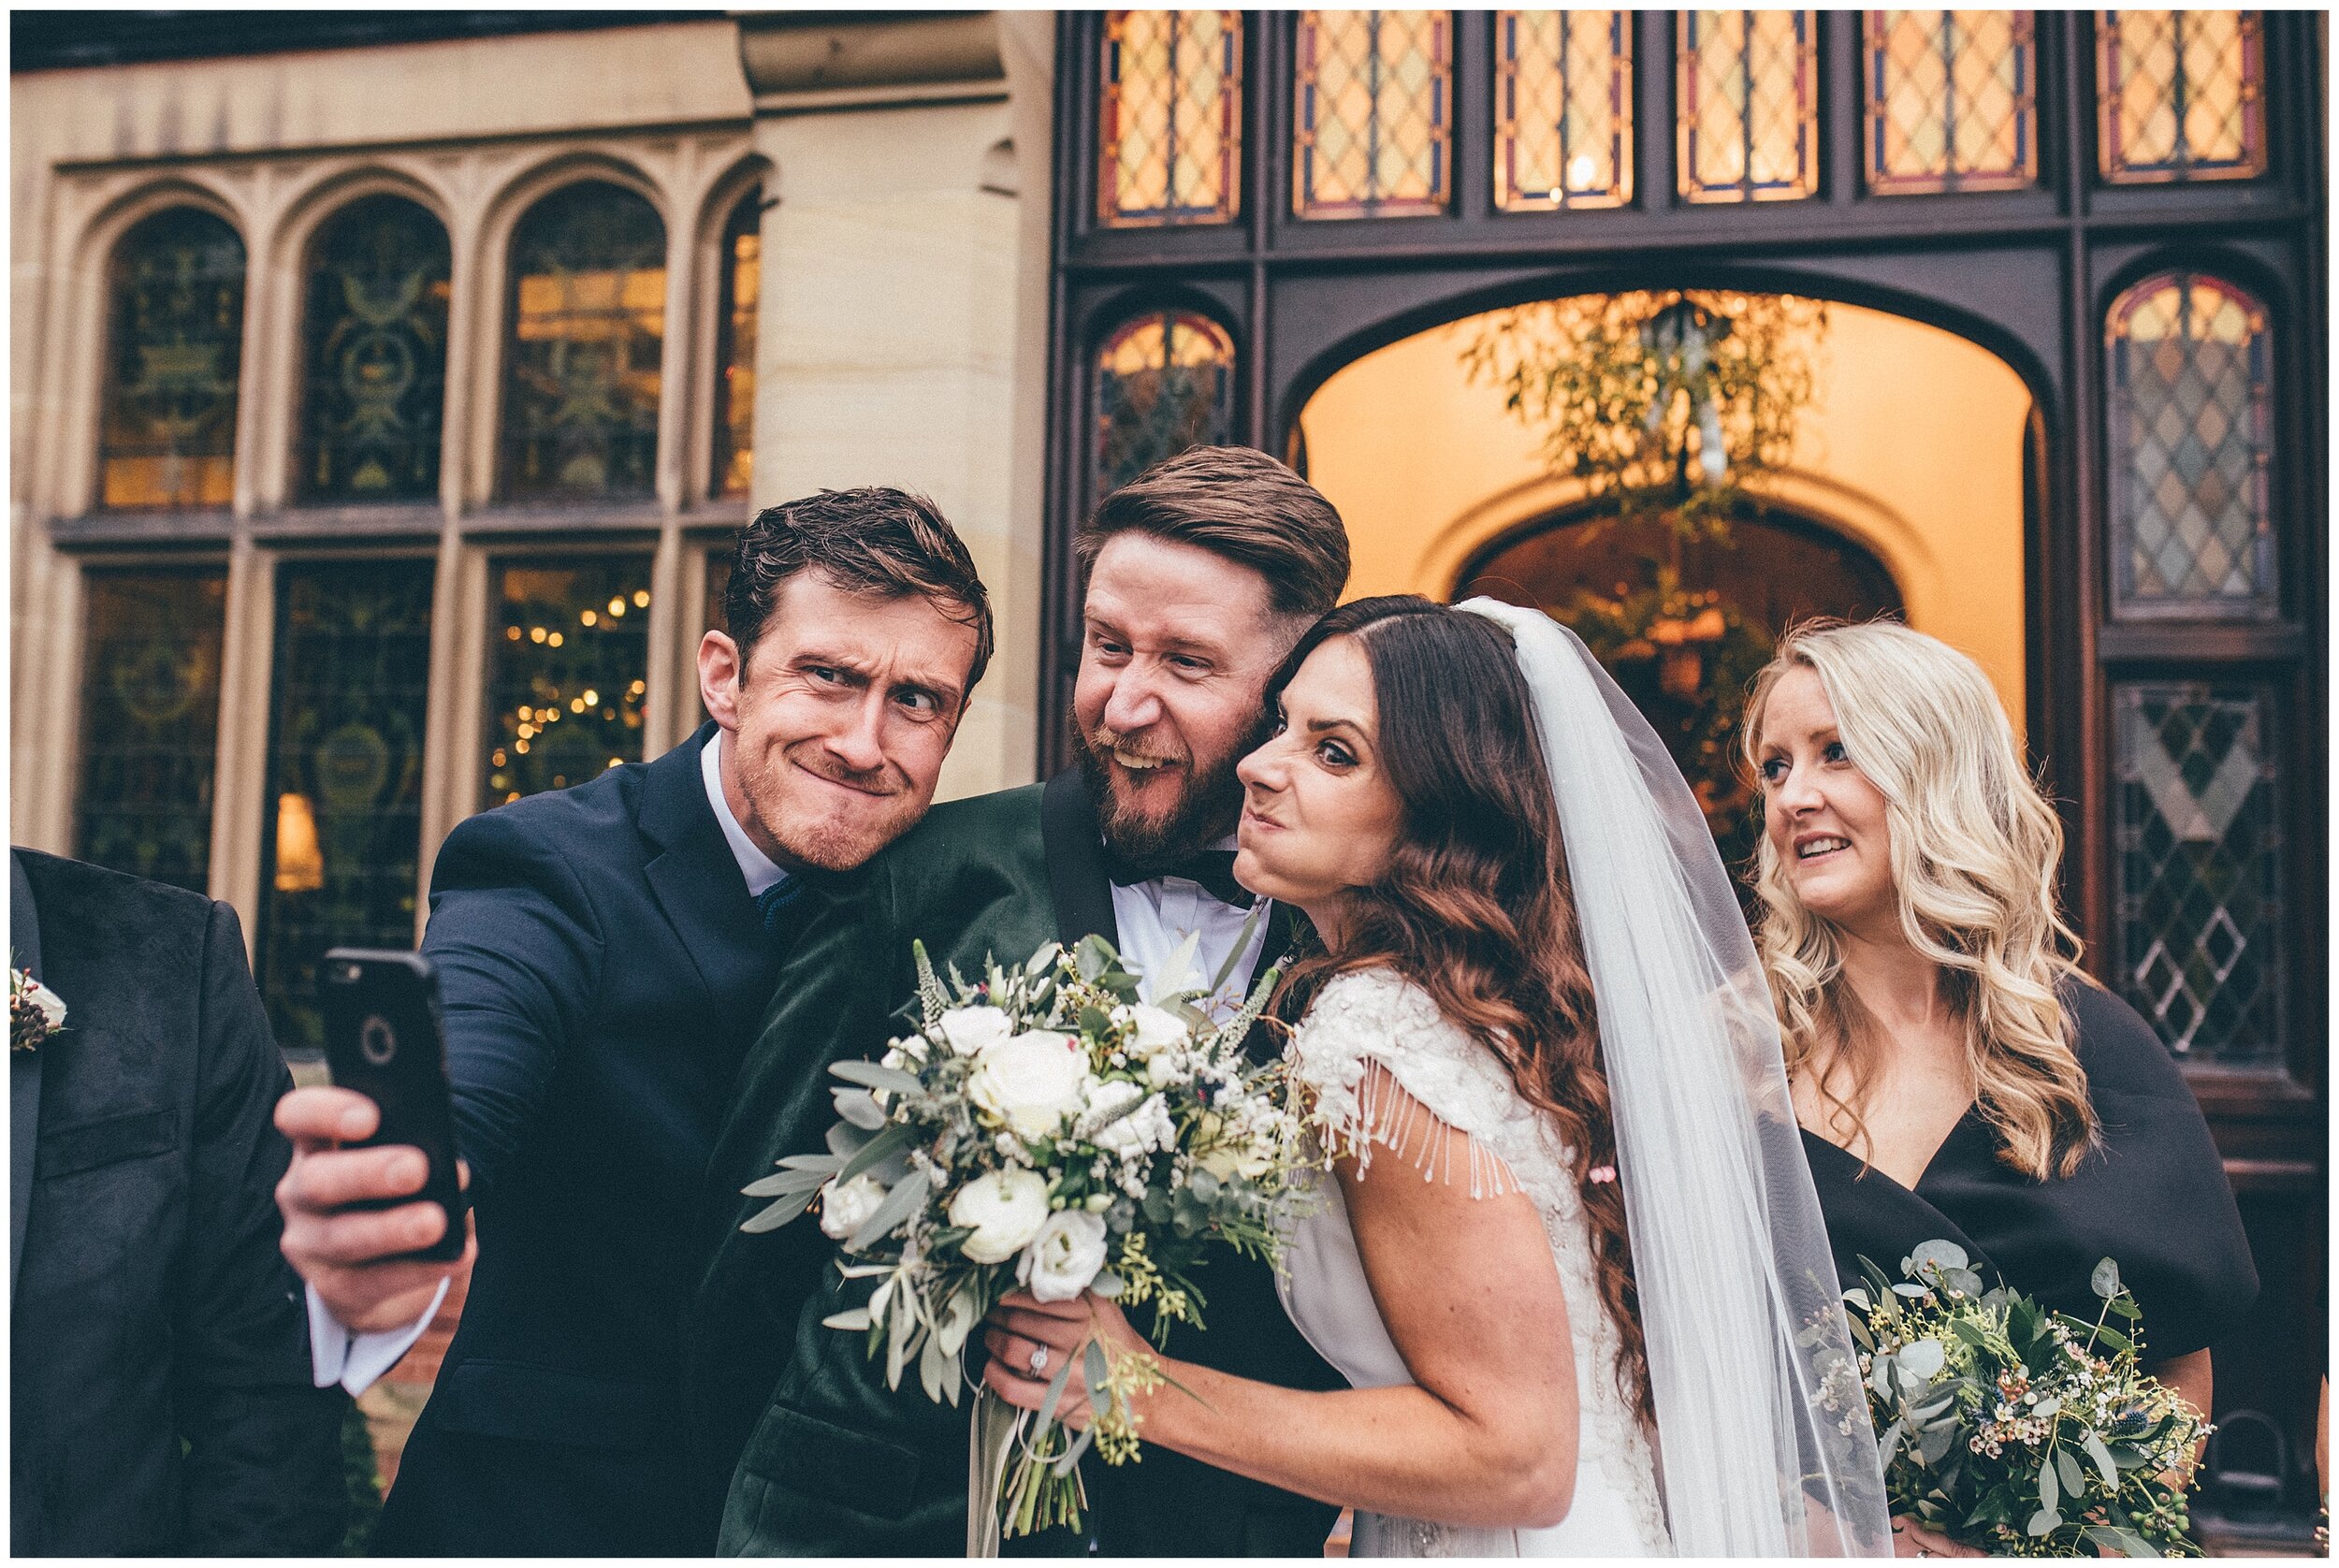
(384, 1039)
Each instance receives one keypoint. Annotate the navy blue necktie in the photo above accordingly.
(779, 905)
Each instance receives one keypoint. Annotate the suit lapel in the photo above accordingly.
(695, 878)
(1077, 884)
(24, 1071)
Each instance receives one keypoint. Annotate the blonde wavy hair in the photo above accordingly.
(1974, 849)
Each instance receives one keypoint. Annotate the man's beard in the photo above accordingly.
(1208, 807)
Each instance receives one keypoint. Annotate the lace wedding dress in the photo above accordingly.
(1375, 1018)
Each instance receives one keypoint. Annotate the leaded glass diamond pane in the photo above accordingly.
(1373, 113)
(150, 721)
(376, 355)
(2181, 95)
(1564, 109)
(1170, 127)
(2191, 432)
(1951, 98)
(739, 274)
(174, 348)
(346, 739)
(584, 359)
(1165, 382)
(567, 670)
(1749, 105)
(2199, 855)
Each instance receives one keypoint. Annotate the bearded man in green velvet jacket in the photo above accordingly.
(1203, 573)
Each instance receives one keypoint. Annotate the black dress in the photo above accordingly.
(2153, 1197)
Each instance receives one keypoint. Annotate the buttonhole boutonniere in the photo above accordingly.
(34, 1011)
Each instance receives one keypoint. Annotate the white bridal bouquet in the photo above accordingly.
(1044, 1127)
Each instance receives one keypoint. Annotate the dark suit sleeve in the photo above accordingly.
(263, 1458)
(835, 998)
(519, 952)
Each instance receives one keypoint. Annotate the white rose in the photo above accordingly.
(1233, 1156)
(1004, 1209)
(1146, 1128)
(1032, 1081)
(969, 1030)
(1157, 1029)
(844, 1210)
(1063, 1256)
(910, 1048)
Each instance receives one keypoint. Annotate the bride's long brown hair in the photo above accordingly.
(1475, 907)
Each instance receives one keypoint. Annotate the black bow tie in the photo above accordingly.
(780, 906)
(1213, 868)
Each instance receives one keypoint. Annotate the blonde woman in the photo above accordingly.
(1956, 1075)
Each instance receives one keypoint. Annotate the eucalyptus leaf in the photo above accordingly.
(784, 1183)
(859, 1109)
(827, 1164)
(2102, 1457)
(1923, 1360)
(891, 1141)
(1888, 1445)
(1054, 1396)
(872, 1075)
(1096, 1371)
(2046, 1521)
(844, 1140)
(2105, 1281)
(933, 1362)
(779, 1213)
(1107, 1285)
(1936, 1443)
(2126, 1307)
(907, 1196)
(2050, 1492)
(1934, 1253)
(1241, 946)
(2067, 1468)
(1964, 1281)
(1044, 960)
(1072, 1455)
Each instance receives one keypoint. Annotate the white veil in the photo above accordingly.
(1762, 1431)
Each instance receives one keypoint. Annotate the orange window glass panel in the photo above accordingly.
(1170, 125)
(1372, 114)
(1748, 103)
(1564, 109)
(1951, 101)
(2181, 95)
(166, 421)
(2191, 433)
(1164, 383)
(740, 278)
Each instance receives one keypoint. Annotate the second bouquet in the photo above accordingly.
(1047, 1127)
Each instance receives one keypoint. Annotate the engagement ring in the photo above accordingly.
(1039, 1359)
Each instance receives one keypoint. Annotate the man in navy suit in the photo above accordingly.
(606, 954)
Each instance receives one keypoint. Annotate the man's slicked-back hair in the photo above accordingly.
(873, 540)
(1243, 506)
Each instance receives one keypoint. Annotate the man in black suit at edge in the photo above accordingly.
(605, 953)
(161, 1402)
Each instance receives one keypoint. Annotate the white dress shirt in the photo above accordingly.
(1157, 916)
(354, 1360)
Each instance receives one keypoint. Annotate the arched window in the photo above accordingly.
(374, 354)
(2190, 432)
(1165, 382)
(588, 327)
(739, 276)
(166, 431)
(1749, 105)
(1564, 109)
(1951, 101)
(1373, 111)
(1169, 126)
(2179, 96)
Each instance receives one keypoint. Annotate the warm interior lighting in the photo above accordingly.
(299, 860)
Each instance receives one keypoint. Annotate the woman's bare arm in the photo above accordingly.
(1466, 1285)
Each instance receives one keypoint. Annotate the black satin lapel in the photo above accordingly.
(24, 1071)
(1077, 884)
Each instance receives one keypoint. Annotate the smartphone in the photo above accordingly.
(384, 1039)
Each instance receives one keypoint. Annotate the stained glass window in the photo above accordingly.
(2181, 95)
(1749, 105)
(1564, 109)
(1165, 382)
(166, 431)
(1951, 101)
(740, 277)
(352, 678)
(2199, 857)
(2190, 426)
(589, 313)
(1170, 128)
(375, 355)
(1373, 114)
(150, 721)
(569, 671)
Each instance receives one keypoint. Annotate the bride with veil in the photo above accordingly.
(1568, 1254)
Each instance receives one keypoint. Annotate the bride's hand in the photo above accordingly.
(1030, 1341)
(1912, 1539)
